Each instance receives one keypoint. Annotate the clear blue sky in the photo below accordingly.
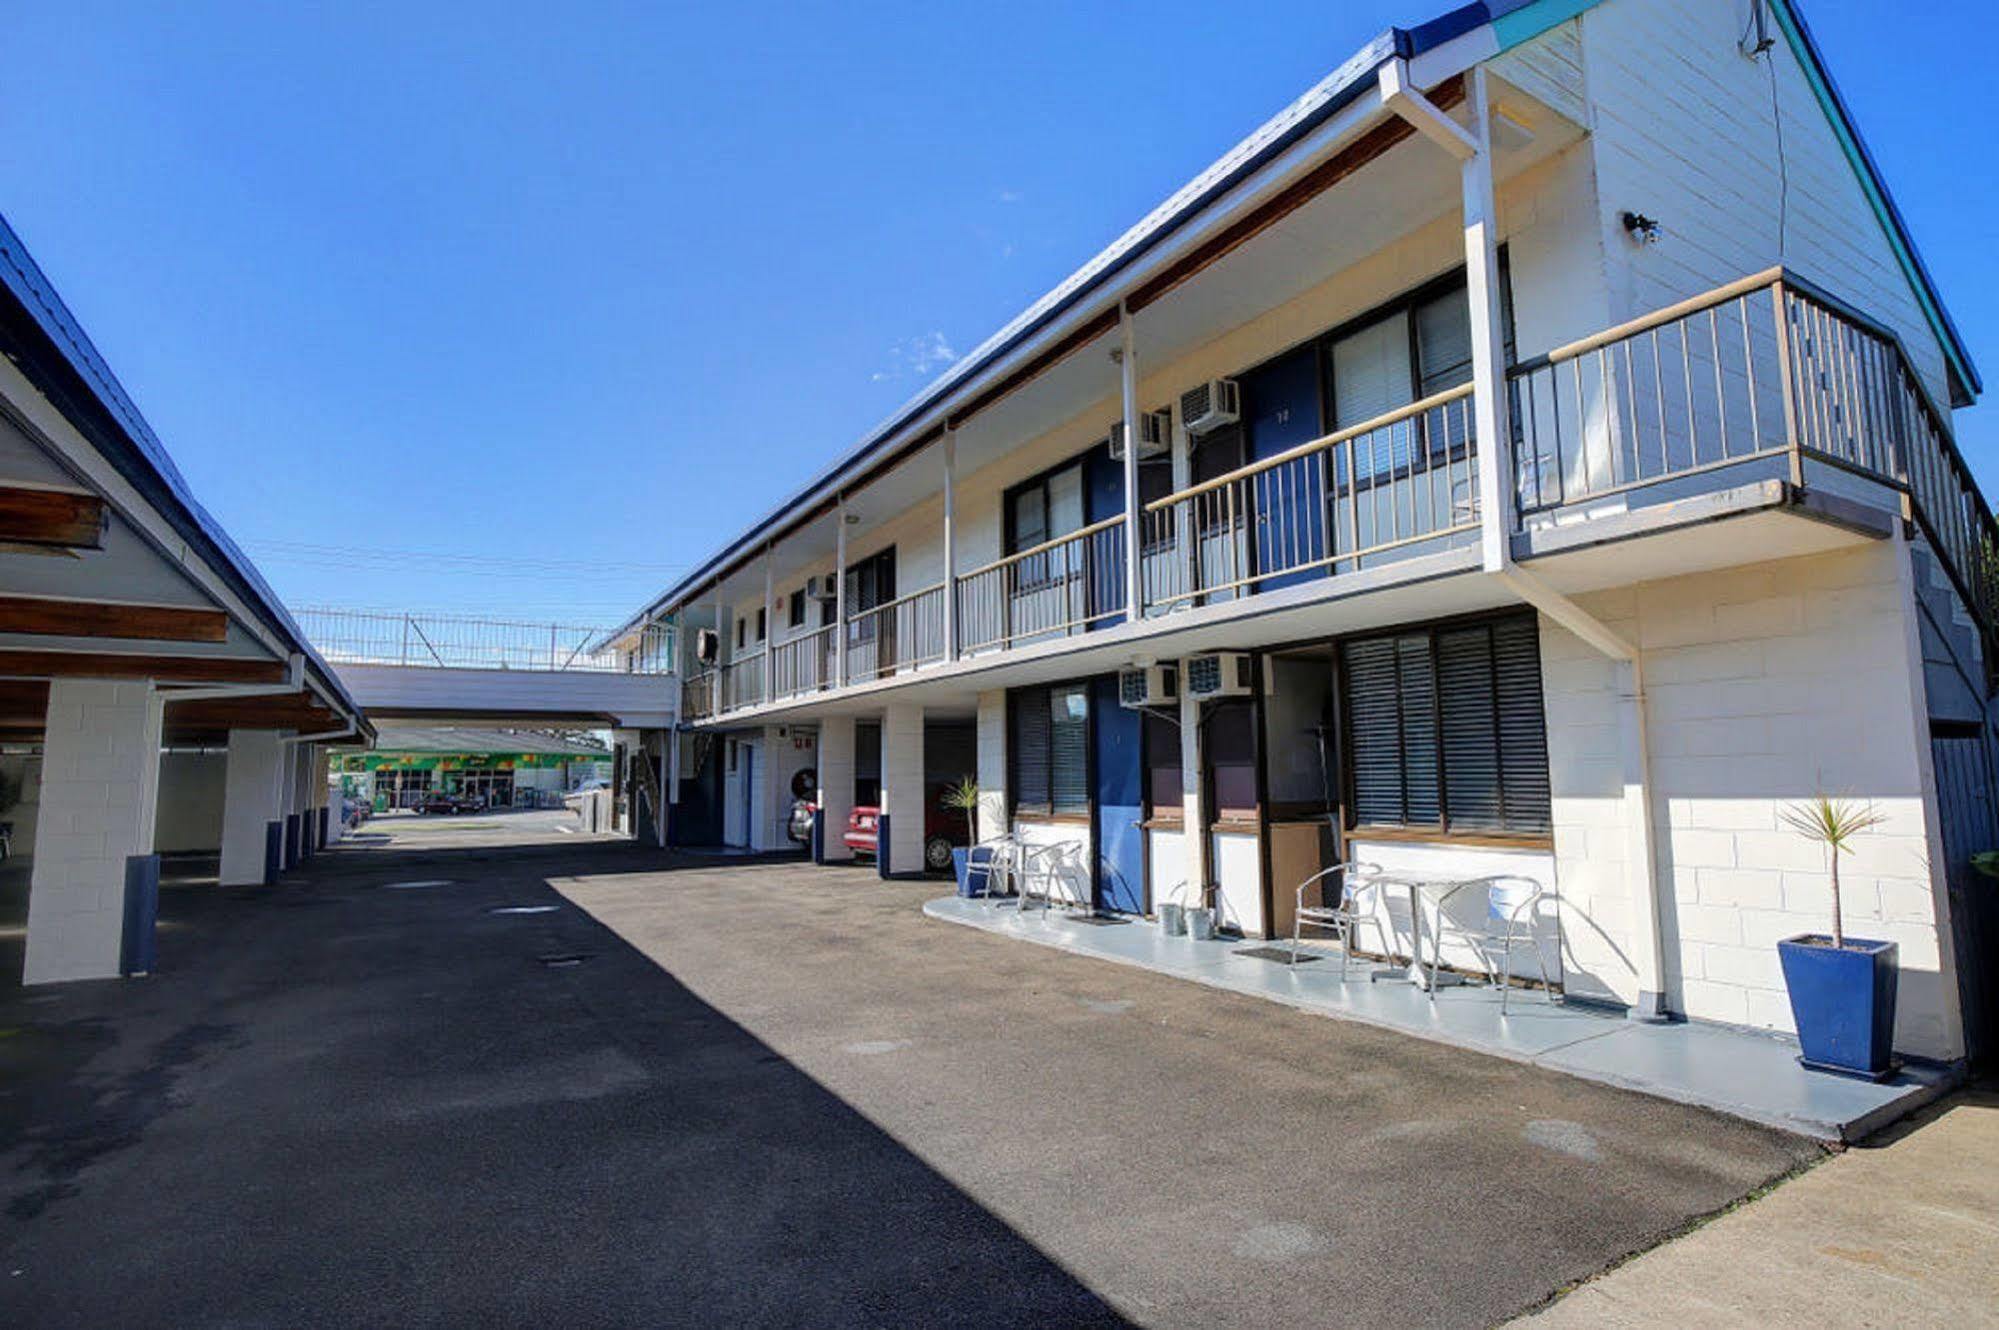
(486, 286)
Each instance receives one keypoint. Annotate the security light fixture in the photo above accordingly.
(1643, 229)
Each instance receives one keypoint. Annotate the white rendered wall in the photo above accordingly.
(1765, 684)
(191, 796)
(99, 797)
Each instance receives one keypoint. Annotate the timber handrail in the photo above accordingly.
(1333, 440)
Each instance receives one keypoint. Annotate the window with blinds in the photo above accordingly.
(1445, 729)
(1048, 749)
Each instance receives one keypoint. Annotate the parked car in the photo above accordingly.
(798, 827)
(943, 831)
(442, 801)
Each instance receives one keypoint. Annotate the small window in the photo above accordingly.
(763, 624)
(742, 633)
(795, 613)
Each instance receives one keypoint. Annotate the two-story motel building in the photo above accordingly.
(1542, 463)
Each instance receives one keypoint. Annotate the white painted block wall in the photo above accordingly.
(1765, 685)
(99, 798)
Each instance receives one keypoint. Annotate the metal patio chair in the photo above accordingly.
(1511, 907)
(1359, 895)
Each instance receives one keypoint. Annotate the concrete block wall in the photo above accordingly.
(1765, 685)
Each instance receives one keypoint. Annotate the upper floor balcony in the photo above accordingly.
(1764, 399)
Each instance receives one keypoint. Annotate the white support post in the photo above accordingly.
(836, 786)
(950, 543)
(1491, 419)
(1128, 382)
(1193, 814)
(251, 794)
(94, 829)
(840, 593)
(770, 612)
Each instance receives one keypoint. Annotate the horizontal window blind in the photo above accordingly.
(1445, 729)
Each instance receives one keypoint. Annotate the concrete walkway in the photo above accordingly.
(1903, 1233)
(1747, 1073)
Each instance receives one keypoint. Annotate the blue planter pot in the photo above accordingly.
(974, 874)
(1843, 1002)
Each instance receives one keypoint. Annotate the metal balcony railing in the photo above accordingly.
(898, 635)
(448, 641)
(1067, 585)
(1767, 373)
(1766, 369)
(1404, 478)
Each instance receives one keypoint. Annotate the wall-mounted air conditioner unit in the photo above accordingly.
(821, 588)
(707, 646)
(1224, 674)
(1155, 435)
(1150, 686)
(1212, 405)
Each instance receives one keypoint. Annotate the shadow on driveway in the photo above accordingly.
(343, 1101)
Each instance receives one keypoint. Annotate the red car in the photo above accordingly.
(943, 831)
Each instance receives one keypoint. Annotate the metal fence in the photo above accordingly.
(448, 641)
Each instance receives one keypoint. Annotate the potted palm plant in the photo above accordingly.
(1842, 988)
(963, 797)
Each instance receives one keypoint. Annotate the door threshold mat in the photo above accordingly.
(1097, 920)
(1282, 955)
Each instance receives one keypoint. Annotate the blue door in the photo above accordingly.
(1103, 499)
(1119, 777)
(1281, 409)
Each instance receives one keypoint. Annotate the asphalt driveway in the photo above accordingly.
(707, 1091)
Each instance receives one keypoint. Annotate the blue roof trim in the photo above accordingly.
(137, 452)
(1332, 95)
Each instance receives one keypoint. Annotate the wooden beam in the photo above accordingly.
(283, 712)
(23, 701)
(56, 519)
(94, 618)
(115, 665)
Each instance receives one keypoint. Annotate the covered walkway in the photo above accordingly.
(1751, 1074)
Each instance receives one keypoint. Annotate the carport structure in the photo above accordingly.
(129, 622)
